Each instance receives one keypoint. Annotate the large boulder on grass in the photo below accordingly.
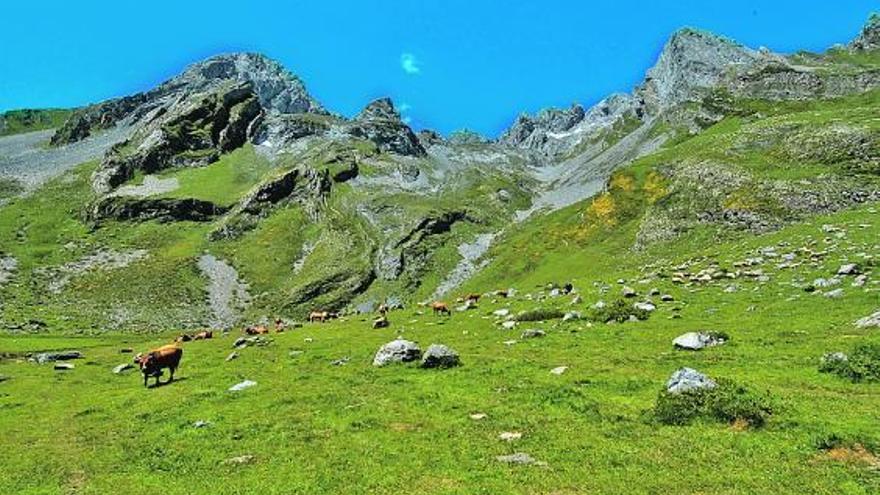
(694, 341)
(440, 356)
(397, 351)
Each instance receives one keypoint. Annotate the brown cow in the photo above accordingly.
(440, 308)
(203, 335)
(256, 330)
(473, 297)
(279, 325)
(153, 362)
(182, 338)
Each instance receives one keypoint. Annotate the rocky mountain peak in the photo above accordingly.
(690, 61)
(869, 38)
(380, 109)
(277, 88)
(530, 130)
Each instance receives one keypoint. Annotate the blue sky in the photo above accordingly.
(449, 64)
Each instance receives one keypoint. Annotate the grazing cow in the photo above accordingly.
(256, 330)
(182, 338)
(279, 325)
(153, 362)
(473, 297)
(383, 309)
(319, 316)
(203, 335)
(440, 308)
(381, 322)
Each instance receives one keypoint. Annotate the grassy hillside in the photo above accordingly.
(21, 121)
(316, 428)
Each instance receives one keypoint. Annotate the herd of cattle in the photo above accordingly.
(168, 356)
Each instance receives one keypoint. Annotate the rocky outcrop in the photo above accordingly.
(869, 38)
(193, 133)
(380, 123)
(306, 186)
(165, 210)
(534, 131)
(409, 254)
(276, 89)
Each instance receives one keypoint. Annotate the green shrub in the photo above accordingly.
(619, 311)
(861, 365)
(727, 402)
(539, 314)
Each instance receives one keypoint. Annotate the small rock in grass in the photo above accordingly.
(341, 361)
(231, 356)
(126, 350)
(509, 342)
(64, 366)
(242, 385)
(478, 416)
(501, 313)
(397, 351)
(48, 357)
(869, 321)
(519, 458)
(687, 379)
(834, 294)
(240, 460)
(571, 315)
(532, 333)
(694, 341)
(645, 306)
(667, 298)
(629, 292)
(122, 367)
(559, 370)
(509, 436)
(3, 378)
(201, 424)
(440, 356)
(849, 269)
(507, 325)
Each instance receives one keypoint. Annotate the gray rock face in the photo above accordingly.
(380, 122)
(691, 62)
(869, 38)
(694, 341)
(397, 351)
(532, 131)
(48, 357)
(849, 269)
(440, 356)
(192, 132)
(688, 379)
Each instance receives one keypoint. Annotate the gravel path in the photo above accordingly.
(227, 295)
(28, 159)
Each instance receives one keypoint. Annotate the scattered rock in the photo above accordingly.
(571, 315)
(509, 436)
(397, 351)
(519, 458)
(242, 385)
(341, 361)
(834, 294)
(478, 416)
(201, 424)
(694, 341)
(440, 356)
(869, 321)
(64, 366)
(532, 333)
(240, 460)
(645, 306)
(629, 292)
(48, 357)
(232, 355)
(508, 325)
(833, 359)
(501, 313)
(687, 379)
(559, 370)
(667, 298)
(849, 269)
(122, 367)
